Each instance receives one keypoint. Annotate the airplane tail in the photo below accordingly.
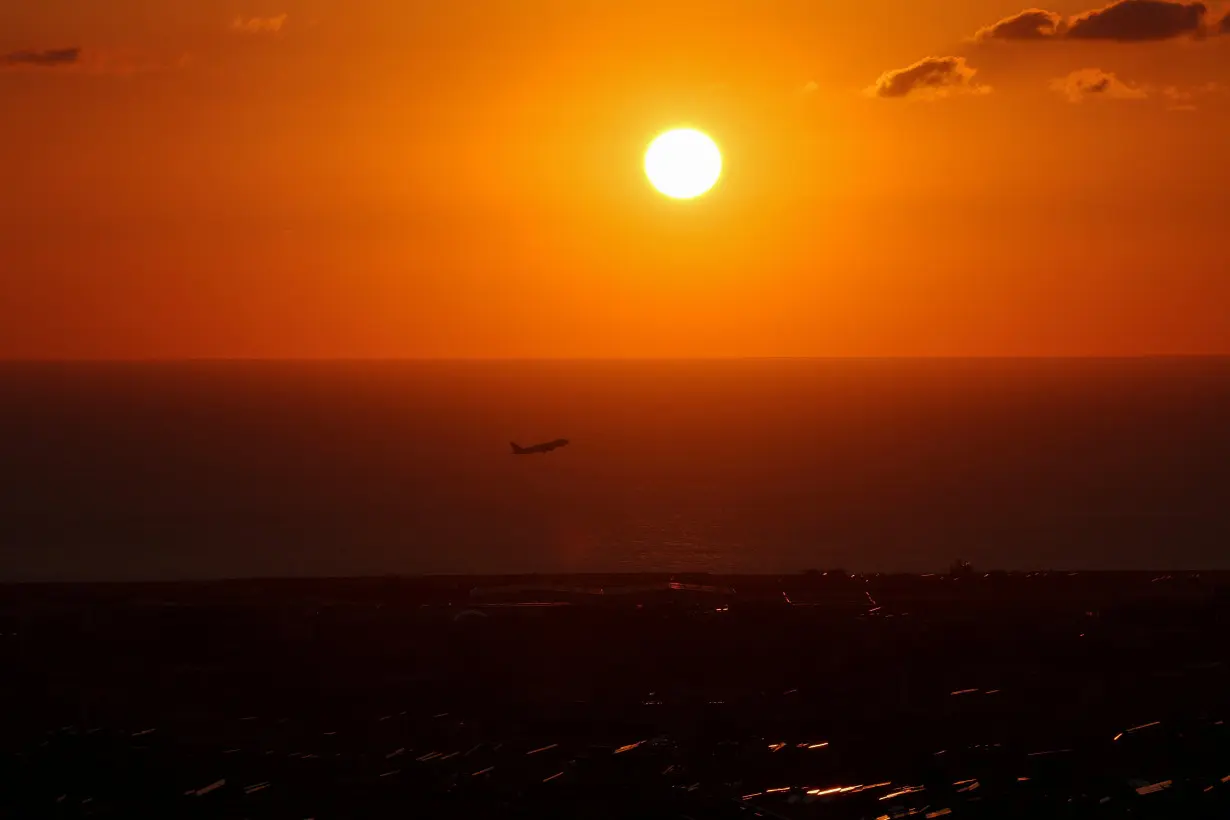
(517, 449)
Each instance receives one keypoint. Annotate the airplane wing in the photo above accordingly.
(545, 447)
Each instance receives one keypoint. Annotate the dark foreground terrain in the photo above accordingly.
(814, 696)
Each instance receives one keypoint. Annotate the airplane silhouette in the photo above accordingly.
(545, 447)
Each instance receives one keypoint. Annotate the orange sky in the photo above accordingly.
(313, 178)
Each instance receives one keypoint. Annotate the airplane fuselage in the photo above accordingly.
(545, 447)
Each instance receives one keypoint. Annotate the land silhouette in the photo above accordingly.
(824, 694)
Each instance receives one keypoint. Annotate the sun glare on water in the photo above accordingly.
(683, 163)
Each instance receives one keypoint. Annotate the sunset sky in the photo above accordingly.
(392, 178)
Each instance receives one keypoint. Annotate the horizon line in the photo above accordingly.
(476, 359)
(647, 573)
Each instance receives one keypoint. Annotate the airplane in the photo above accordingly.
(545, 447)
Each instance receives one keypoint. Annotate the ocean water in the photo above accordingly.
(124, 471)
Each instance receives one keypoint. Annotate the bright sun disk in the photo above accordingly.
(683, 163)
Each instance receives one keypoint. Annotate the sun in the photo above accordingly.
(683, 163)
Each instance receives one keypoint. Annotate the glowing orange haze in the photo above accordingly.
(382, 178)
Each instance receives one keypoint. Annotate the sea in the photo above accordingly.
(130, 471)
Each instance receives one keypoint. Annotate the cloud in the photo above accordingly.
(259, 25)
(1124, 21)
(1138, 20)
(94, 61)
(929, 78)
(1091, 82)
(1030, 24)
(1184, 99)
(49, 58)
(1225, 24)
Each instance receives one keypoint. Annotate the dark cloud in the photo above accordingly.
(1031, 24)
(1122, 21)
(1225, 24)
(929, 77)
(49, 58)
(1138, 20)
(95, 61)
(1088, 82)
